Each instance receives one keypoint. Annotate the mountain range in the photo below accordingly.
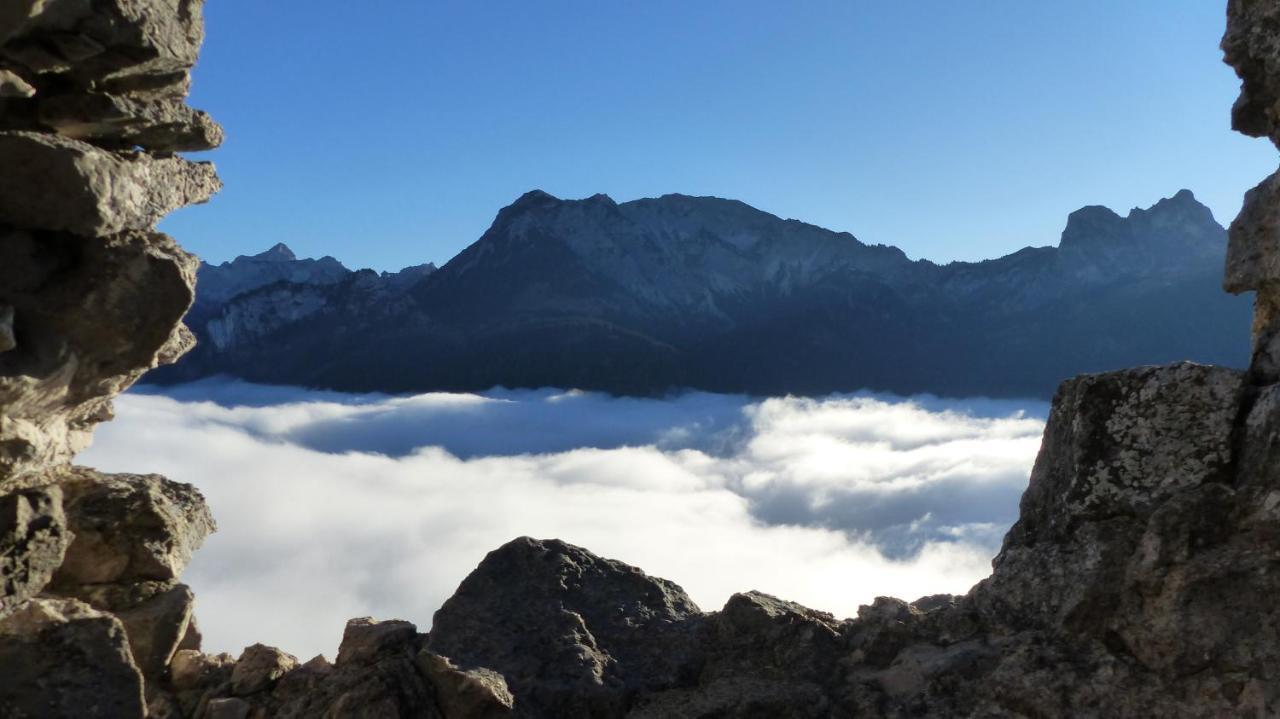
(655, 295)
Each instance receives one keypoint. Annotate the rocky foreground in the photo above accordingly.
(1139, 581)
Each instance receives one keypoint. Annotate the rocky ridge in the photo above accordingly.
(679, 292)
(1137, 582)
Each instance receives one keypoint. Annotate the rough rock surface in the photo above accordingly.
(62, 658)
(33, 540)
(91, 297)
(1139, 580)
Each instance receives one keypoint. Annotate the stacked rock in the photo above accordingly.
(1252, 47)
(92, 112)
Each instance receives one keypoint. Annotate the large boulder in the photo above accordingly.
(129, 528)
(570, 632)
(1117, 447)
(65, 660)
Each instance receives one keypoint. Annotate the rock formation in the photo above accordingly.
(1139, 580)
(712, 294)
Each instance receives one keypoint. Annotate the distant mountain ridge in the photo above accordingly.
(675, 292)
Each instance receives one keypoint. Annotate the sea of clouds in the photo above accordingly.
(332, 506)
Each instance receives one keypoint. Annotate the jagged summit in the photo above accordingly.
(279, 252)
(1180, 218)
(681, 291)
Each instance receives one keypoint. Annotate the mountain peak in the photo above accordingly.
(1171, 219)
(279, 252)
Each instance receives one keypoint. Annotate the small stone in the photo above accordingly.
(190, 669)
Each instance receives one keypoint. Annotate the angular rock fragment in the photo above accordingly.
(86, 43)
(90, 315)
(259, 668)
(466, 694)
(156, 627)
(65, 660)
(571, 633)
(56, 183)
(33, 539)
(1117, 446)
(1251, 46)
(157, 124)
(129, 527)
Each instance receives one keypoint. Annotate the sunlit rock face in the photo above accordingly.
(1139, 580)
(92, 108)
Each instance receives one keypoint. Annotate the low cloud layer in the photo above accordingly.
(332, 506)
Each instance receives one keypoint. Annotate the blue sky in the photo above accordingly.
(390, 132)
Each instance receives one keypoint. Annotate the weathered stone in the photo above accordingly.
(571, 633)
(33, 539)
(156, 627)
(466, 694)
(259, 668)
(366, 640)
(103, 40)
(129, 527)
(63, 659)
(1117, 446)
(56, 183)
(375, 677)
(158, 124)
(1252, 46)
(89, 316)
(189, 669)
(1253, 248)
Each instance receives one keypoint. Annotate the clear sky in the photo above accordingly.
(389, 132)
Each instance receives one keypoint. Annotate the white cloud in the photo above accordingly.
(332, 506)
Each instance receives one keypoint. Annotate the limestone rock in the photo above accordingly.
(259, 668)
(56, 183)
(33, 539)
(156, 627)
(1117, 446)
(89, 316)
(155, 123)
(1252, 46)
(466, 694)
(63, 659)
(107, 40)
(129, 527)
(571, 633)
